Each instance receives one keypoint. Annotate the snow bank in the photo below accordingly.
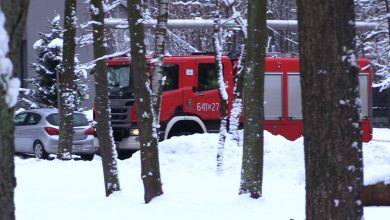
(192, 188)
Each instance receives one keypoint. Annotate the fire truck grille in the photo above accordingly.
(118, 110)
(118, 117)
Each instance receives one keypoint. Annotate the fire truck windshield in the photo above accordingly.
(120, 82)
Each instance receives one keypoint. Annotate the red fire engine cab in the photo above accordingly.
(191, 101)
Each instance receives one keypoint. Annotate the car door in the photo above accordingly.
(33, 130)
(172, 96)
(20, 135)
(207, 98)
(30, 131)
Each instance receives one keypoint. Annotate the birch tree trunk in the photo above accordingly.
(104, 130)
(159, 50)
(236, 110)
(252, 159)
(66, 106)
(15, 12)
(332, 133)
(150, 167)
(217, 40)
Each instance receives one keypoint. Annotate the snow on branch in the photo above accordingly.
(91, 64)
(229, 23)
(188, 3)
(7, 82)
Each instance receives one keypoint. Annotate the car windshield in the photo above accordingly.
(78, 119)
(119, 81)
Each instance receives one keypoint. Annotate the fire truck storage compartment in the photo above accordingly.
(294, 96)
(363, 94)
(273, 96)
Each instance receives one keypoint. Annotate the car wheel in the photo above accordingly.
(39, 150)
(88, 157)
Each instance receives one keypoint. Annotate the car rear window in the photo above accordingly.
(78, 119)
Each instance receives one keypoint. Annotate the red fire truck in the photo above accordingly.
(191, 100)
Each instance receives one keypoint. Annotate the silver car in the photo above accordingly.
(37, 130)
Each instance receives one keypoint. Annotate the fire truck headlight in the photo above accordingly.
(134, 132)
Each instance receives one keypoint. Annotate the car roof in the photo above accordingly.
(46, 111)
(42, 111)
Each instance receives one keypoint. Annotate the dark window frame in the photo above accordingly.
(206, 83)
(118, 89)
(36, 118)
(53, 119)
(21, 123)
(171, 83)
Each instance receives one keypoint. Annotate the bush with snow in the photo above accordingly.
(48, 68)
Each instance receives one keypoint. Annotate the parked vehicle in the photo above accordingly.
(37, 132)
(191, 99)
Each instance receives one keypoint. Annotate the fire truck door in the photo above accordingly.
(172, 96)
(206, 95)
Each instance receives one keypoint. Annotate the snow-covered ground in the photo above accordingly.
(192, 189)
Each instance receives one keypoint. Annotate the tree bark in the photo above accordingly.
(104, 130)
(150, 168)
(7, 166)
(376, 194)
(332, 133)
(15, 12)
(66, 107)
(252, 159)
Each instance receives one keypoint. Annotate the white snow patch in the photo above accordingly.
(336, 203)
(192, 188)
(56, 43)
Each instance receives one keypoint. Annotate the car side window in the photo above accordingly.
(171, 73)
(33, 119)
(207, 77)
(20, 119)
